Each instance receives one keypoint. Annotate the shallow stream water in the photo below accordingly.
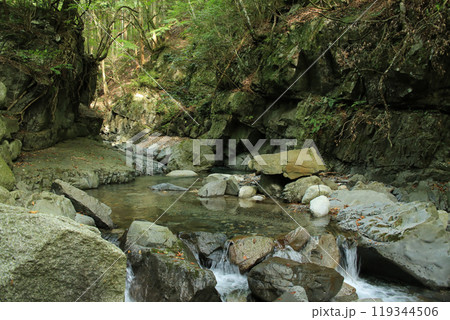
(231, 216)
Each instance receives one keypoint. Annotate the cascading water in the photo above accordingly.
(231, 284)
(367, 289)
(130, 276)
(289, 253)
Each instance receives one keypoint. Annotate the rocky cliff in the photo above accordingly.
(45, 77)
(377, 102)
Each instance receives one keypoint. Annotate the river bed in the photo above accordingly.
(232, 216)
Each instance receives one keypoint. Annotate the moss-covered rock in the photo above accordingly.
(7, 179)
(51, 258)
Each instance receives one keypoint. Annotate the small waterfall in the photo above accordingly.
(365, 289)
(231, 284)
(130, 277)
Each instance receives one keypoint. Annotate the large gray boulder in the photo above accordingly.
(45, 257)
(50, 203)
(343, 198)
(167, 187)
(213, 189)
(410, 236)
(85, 204)
(165, 269)
(314, 192)
(271, 278)
(294, 191)
(149, 234)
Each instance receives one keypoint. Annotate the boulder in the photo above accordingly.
(297, 238)
(324, 252)
(50, 203)
(169, 274)
(330, 183)
(294, 191)
(374, 186)
(343, 198)
(315, 191)
(52, 258)
(300, 163)
(320, 206)
(164, 268)
(6, 197)
(83, 219)
(232, 183)
(167, 187)
(246, 251)
(15, 147)
(274, 276)
(182, 173)
(85, 204)
(213, 189)
(149, 234)
(182, 157)
(294, 294)
(408, 236)
(346, 294)
(205, 244)
(247, 192)
(216, 176)
(7, 179)
(356, 178)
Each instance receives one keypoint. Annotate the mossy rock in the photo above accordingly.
(7, 179)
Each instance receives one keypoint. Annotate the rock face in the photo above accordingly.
(183, 158)
(271, 278)
(86, 204)
(409, 236)
(165, 269)
(51, 258)
(50, 112)
(7, 179)
(320, 206)
(315, 191)
(245, 252)
(213, 189)
(291, 164)
(294, 191)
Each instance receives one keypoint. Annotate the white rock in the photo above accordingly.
(315, 191)
(320, 206)
(257, 198)
(247, 192)
(342, 187)
(182, 173)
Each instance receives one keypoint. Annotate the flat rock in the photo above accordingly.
(167, 187)
(296, 164)
(246, 251)
(86, 204)
(182, 173)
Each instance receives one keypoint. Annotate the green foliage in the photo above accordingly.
(58, 68)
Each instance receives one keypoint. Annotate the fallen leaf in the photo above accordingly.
(33, 211)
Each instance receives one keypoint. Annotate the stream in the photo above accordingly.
(233, 216)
